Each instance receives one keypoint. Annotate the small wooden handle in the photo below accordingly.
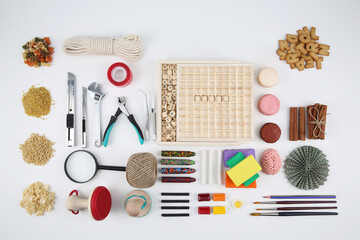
(75, 203)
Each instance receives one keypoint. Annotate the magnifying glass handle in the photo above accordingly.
(113, 168)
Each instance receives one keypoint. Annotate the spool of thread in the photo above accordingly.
(119, 74)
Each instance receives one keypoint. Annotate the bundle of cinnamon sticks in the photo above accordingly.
(316, 117)
(316, 121)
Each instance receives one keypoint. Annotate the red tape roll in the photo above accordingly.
(119, 74)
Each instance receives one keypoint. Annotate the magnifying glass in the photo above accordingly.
(81, 166)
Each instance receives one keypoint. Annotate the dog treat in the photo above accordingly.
(270, 162)
(293, 124)
(316, 117)
(302, 50)
(269, 104)
(38, 52)
(268, 77)
(302, 123)
(177, 154)
(37, 102)
(37, 149)
(270, 132)
(37, 199)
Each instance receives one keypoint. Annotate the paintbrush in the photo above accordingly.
(294, 213)
(299, 196)
(295, 208)
(293, 202)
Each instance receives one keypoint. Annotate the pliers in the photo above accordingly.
(121, 108)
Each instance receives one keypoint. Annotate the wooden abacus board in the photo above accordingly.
(205, 103)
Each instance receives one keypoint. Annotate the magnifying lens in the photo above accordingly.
(81, 166)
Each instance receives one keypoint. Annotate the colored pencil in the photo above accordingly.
(175, 194)
(294, 208)
(294, 214)
(299, 196)
(293, 202)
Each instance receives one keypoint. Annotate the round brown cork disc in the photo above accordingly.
(270, 132)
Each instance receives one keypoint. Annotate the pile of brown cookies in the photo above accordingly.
(303, 50)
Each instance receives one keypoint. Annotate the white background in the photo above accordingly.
(247, 31)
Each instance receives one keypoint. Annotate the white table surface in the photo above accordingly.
(247, 31)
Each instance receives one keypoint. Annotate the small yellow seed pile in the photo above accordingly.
(37, 149)
(37, 199)
(37, 102)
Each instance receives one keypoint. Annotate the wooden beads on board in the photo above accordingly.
(168, 102)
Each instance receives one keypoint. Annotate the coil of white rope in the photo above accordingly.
(128, 47)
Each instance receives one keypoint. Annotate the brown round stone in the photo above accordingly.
(270, 132)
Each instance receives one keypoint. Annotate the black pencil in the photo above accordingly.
(174, 207)
(175, 194)
(175, 201)
(175, 215)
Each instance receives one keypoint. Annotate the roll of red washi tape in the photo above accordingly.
(119, 74)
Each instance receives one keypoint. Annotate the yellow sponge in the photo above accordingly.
(244, 170)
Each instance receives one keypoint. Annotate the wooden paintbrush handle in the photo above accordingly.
(304, 208)
(306, 213)
(303, 202)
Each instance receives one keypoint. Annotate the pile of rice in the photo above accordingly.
(37, 199)
(37, 149)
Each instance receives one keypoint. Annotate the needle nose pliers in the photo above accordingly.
(122, 109)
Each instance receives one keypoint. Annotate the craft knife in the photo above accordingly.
(70, 116)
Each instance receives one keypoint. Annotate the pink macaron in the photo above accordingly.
(269, 104)
(270, 162)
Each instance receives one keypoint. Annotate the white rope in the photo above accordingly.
(128, 47)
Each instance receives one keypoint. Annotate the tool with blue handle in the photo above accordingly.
(122, 109)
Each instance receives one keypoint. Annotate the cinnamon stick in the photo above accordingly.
(302, 123)
(291, 127)
(295, 127)
(309, 119)
(291, 135)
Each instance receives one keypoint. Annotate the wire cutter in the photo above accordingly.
(122, 109)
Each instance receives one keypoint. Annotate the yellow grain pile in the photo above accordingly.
(37, 102)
